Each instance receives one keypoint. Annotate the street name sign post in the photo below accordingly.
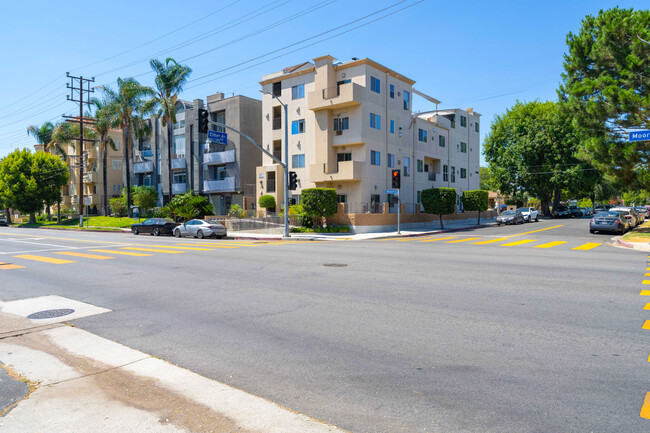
(640, 136)
(218, 137)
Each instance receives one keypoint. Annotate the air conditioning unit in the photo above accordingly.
(338, 132)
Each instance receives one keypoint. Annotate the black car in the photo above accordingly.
(561, 212)
(154, 226)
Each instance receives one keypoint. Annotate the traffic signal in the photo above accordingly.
(396, 179)
(203, 121)
(293, 180)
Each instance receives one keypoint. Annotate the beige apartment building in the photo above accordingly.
(351, 123)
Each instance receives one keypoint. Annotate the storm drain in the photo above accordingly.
(335, 265)
(50, 314)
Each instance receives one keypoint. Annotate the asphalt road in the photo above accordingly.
(419, 335)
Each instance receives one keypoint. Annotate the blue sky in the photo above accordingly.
(479, 54)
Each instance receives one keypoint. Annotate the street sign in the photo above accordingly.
(88, 201)
(392, 191)
(218, 137)
(639, 135)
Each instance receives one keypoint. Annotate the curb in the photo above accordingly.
(74, 230)
(639, 246)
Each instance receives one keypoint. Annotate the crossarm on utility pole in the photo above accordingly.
(251, 140)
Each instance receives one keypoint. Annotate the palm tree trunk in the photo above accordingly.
(104, 187)
(128, 172)
(169, 159)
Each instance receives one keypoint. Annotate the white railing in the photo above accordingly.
(219, 157)
(227, 184)
(143, 167)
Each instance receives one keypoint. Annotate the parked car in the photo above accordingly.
(200, 229)
(510, 217)
(643, 211)
(574, 211)
(529, 213)
(561, 212)
(3, 220)
(600, 209)
(610, 221)
(154, 226)
(635, 216)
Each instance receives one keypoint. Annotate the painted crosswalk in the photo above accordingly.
(504, 241)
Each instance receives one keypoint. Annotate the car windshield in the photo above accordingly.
(607, 215)
(508, 212)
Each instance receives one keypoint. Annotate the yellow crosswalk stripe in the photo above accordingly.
(512, 244)
(461, 240)
(551, 244)
(213, 246)
(178, 248)
(645, 282)
(645, 409)
(647, 307)
(645, 293)
(646, 325)
(122, 253)
(88, 256)
(153, 250)
(439, 239)
(489, 241)
(9, 266)
(44, 259)
(587, 246)
(412, 238)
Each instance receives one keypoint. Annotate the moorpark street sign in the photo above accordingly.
(639, 135)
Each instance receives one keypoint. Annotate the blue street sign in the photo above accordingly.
(639, 135)
(392, 191)
(218, 137)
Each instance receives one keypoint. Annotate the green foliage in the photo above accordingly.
(187, 206)
(318, 203)
(584, 202)
(118, 206)
(236, 211)
(605, 90)
(534, 202)
(635, 197)
(439, 201)
(328, 229)
(298, 212)
(475, 200)
(144, 197)
(486, 181)
(267, 202)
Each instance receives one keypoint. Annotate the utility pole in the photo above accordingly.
(78, 87)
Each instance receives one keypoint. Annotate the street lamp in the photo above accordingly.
(285, 166)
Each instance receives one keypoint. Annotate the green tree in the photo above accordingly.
(104, 122)
(532, 149)
(128, 104)
(475, 200)
(439, 201)
(605, 90)
(318, 203)
(118, 206)
(486, 182)
(170, 79)
(267, 202)
(144, 197)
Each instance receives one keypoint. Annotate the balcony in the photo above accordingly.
(277, 123)
(333, 98)
(214, 158)
(178, 163)
(179, 188)
(343, 170)
(225, 185)
(432, 177)
(90, 177)
(143, 167)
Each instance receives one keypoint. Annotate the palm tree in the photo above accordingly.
(126, 104)
(104, 122)
(42, 133)
(170, 79)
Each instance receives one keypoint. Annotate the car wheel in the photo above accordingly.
(219, 236)
(177, 233)
(136, 231)
(592, 231)
(537, 218)
(200, 234)
(156, 231)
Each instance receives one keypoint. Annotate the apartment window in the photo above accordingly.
(298, 92)
(341, 123)
(463, 121)
(392, 126)
(94, 189)
(445, 173)
(298, 126)
(422, 135)
(453, 124)
(180, 177)
(407, 166)
(146, 180)
(180, 124)
(420, 166)
(218, 172)
(117, 165)
(270, 181)
(407, 100)
(476, 126)
(342, 198)
(375, 121)
(375, 84)
(277, 149)
(441, 141)
(419, 195)
(277, 118)
(375, 157)
(392, 92)
(179, 145)
(277, 88)
(340, 157)
(219, 117)
(298, 161)
(453, 174)
(463, 173)
(390, 159)
(463, 147)
(375, 200)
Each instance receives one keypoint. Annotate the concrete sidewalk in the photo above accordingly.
(80, 382)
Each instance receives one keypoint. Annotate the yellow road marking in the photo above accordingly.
(44, 259)
(587, 246)
(9, 266)
(153, 250)
(645, 409)
(512, 244)
(535, 231)
(646, 325)
(461, 240)
(645, 282)
(213, 246)
(551, 244)
(439, 239)
(647, 275)
(88, 256)
(122, 253)
(645, 293)
(490, 241)
(412, 238)
(177, 248)
(647, 307)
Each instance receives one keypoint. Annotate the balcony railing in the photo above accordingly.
(341, 170)
(340, 96)
(225, 185)
(179, 188)
(432, 177)
(277, 123)
(219, 157)
(143, 167)
(179, 162)
(90, 177)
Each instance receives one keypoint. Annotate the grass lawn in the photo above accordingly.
(93, 221)
(639, 234)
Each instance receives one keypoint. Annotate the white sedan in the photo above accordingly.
(201, 229)
(529, 213)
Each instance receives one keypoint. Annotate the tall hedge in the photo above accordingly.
(318, 203)
(476, 200)
(439, 201)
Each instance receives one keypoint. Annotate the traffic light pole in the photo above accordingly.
(284, 166)
(399, 206)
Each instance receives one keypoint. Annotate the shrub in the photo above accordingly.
(187, 205)
(439, 201)
(236, 211)
(144, 197)
(267, 202)
(318, 203)
(118, 206)
(476, 200)
(328, 229)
